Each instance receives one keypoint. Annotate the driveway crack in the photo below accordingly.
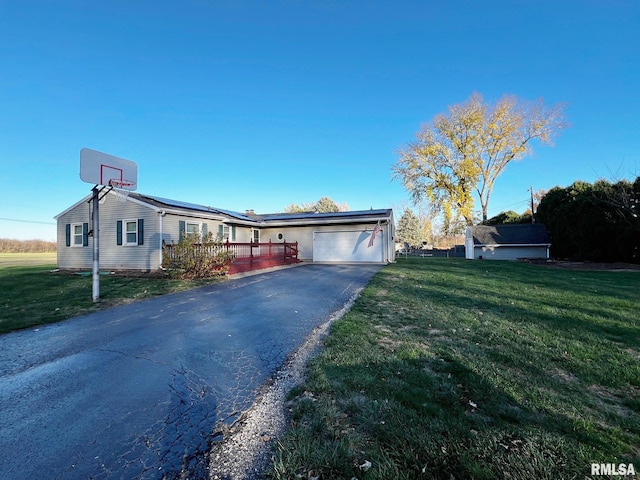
(137, 357)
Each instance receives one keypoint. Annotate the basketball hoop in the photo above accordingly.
(121, 188)
(103, 170)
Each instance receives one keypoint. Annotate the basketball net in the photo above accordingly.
(120, 189)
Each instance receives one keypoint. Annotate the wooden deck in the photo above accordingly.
(257, 256)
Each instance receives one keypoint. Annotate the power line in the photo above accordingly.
(26, 221)
(503, 206)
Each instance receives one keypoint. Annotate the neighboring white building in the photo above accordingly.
(132, 232)
(507, 242)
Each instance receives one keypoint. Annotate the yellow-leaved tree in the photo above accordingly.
(462, 152)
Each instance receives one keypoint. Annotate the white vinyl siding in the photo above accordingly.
(124, 257)
(506, 252)
(69, 254)
(112, 256)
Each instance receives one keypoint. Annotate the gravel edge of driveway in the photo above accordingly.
(245, 451)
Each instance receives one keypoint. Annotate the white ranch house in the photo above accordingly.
(132, 233)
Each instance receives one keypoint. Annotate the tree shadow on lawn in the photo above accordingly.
(436, 417)
(537, 301)
(558, 347)
(513, 385)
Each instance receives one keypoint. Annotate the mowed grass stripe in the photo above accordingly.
(32, 293)
(48, 259)
(456, 369)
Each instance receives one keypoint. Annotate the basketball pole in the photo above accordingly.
(96, 246)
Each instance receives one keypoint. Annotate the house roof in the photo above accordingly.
(250, 218)
(315, 215)
(268, 219)
(520, 234)
(166, 202)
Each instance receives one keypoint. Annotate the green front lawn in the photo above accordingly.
(34, 294)
(455, 369)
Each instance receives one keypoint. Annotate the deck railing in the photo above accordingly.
(252, 255)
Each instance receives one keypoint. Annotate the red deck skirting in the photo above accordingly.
(247, 265)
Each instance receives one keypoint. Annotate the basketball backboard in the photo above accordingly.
(102, 169)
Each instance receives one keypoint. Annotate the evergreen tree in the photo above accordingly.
(410, 229)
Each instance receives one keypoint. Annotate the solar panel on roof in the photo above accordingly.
(289, 216)
(194, 206)
(235, 214)
(267, 217)
(179, 204)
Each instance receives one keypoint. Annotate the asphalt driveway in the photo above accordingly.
(135, 391)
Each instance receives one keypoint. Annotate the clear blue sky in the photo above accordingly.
(260, 104)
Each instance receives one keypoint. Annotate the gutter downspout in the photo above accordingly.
(161, 214)
(386, 241)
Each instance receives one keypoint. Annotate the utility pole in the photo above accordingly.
(531, 190)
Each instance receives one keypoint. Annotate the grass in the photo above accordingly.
(451, 369)
(24, 259)
(31, 293)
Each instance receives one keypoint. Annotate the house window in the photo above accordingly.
(77, 234)
(130, 231)
(227, 233)
(256, 235)
(193, 228)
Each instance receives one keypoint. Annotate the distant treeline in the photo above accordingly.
(9, 245)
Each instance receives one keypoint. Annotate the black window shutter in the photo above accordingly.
(141, 231)
(67, 231)
(221, 232)
(119, 232)
(85, 234)
(182, 229)
(205, 229)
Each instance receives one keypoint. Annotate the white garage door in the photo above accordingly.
(347, 246)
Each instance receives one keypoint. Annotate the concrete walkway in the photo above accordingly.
(135, 391)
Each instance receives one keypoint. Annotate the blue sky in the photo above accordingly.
(257, 105)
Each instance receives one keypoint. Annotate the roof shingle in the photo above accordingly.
(520, 234)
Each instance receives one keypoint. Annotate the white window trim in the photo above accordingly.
(197, 224)
(125, 237)
(73, 235)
